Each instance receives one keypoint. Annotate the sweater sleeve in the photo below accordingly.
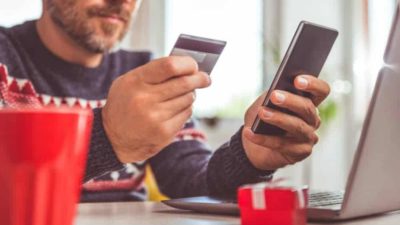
(101, 157)
(188, 168)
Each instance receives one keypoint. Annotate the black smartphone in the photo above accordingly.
(306, 54)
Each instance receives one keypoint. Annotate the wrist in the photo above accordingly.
(252, 152)
(101, 157)
(128, 149)
(238, 143)
(113, 137)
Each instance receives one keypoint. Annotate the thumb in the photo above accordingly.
(252, 111)
(163, 69)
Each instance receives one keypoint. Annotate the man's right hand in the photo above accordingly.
(148, 106)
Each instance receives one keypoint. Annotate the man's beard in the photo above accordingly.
(75, 23)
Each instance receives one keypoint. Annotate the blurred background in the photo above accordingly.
(258, 33)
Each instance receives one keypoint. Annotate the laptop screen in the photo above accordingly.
(392, 54)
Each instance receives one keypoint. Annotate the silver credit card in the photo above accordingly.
(204, 50)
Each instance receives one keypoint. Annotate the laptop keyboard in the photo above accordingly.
(317, 199)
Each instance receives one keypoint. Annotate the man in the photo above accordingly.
(65, 56)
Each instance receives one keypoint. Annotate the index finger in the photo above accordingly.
(318, 88)
(163, 69)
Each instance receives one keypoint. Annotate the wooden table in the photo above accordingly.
(151, 213)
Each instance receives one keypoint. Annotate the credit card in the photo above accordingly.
(204, 50)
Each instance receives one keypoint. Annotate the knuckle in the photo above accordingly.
(306, 152)
(309, 108)
(291, 160)
(318, 123)
(301, 128)
(301, 153)
(314, 138)
(169, 65)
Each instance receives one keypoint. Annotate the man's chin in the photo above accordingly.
(103, 37)
(103, 44)
(111, 35)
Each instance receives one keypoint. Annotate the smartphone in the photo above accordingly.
(205, 51)
(306, 54)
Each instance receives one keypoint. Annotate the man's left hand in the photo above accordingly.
(273, 152)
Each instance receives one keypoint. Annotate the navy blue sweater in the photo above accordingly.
(184, 168)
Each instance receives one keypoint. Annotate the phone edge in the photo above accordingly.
(278, 74)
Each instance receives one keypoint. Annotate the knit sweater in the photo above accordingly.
(185, 168)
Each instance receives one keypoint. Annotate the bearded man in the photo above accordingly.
(142, 108)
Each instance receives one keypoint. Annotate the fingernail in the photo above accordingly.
(209, 79)
(302, 82)
(268, 114)
(280, 97)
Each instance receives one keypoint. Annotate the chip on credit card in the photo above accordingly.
(204, 50)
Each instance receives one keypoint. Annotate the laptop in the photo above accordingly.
(373, 184)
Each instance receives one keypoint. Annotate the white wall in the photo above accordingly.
(147, 29)
(16, 11)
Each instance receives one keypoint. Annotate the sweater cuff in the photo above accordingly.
(229, 168)
(101, 157)
(245, 166)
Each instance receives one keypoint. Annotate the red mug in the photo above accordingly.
(42, 159)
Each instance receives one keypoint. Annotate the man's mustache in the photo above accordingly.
(108, 10)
